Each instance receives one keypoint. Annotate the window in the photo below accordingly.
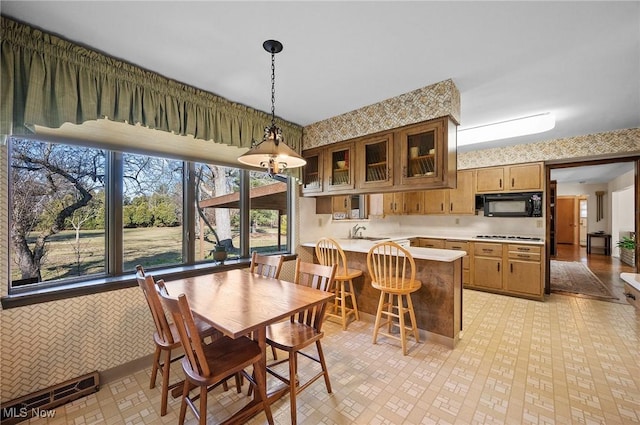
(64, 199)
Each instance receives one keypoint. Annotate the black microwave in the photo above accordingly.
(528, 204)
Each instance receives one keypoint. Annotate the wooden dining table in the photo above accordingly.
(239, 303)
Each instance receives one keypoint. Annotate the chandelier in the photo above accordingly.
(272, 153)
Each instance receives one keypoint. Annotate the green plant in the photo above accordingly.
(626, 243)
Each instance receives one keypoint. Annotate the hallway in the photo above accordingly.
(606, 267)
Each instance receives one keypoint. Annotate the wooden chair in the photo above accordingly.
(166, 337)
(301, 331)
(393, 272)
(329, 252)
(266, 265)
(207, 366)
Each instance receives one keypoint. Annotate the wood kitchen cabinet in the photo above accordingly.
(458, 201)
(427, 154)
(466, 261)
(397, 203)
(487, 265)
(339, 166)
(431, 243)
(313, 171)
(523, 271)
(375, 161)
(512, 178)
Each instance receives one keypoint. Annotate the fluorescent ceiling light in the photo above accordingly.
(506, 129)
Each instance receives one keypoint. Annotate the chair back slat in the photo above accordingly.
(266, 265)
(316, 276)
(189, 335)
(148, 286)
(391, 266)
(329, 252)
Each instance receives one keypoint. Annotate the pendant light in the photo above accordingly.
(272, 153)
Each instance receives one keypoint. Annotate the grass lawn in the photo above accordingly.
(150, 246)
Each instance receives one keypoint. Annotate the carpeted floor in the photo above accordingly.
(575, 278)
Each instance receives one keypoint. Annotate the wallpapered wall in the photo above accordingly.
(45, 344)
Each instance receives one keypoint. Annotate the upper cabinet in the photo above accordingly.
(375, 161)
(414, 157)
(512, 178)
(340, 165)
(313, 171)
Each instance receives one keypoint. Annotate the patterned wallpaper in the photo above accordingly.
(614, 143)
(434, 101)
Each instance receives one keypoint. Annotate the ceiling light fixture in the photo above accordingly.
(506, 129)
(272, 153)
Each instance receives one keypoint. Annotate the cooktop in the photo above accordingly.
(510, 237)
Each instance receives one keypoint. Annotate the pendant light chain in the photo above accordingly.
(273, 89)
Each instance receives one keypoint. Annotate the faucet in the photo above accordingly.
(357, 228)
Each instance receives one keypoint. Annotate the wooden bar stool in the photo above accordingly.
(393, 272)
(329, 253)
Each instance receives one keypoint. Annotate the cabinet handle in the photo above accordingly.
(487, 250)
(511, 267)
(345, 202)
(417, 206)
(498, 266)
(451, 207)
(523, 256)
(513, 182)
(500, 183)
(389, 174)
(404, 171)
(522, 248)
(441, 207)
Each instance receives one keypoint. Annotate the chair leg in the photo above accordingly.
(412, 316)
(293, 368)
(354, 303)
(378, 317)
(323, 364)
(154, 370)
(390, 314)
(203, 405)
(403, 331)
(183, 403)
(165, 382)
(261, 384)
(343, 305)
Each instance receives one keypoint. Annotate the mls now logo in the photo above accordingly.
(23, 412)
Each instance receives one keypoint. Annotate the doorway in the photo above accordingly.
(568, 218)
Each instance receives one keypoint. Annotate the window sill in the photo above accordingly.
(96, 286)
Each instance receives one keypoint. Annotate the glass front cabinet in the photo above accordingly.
(422, 155)
(340, 164)
(313, 171)
(375, 161)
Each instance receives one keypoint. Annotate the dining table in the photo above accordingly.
(239, 303)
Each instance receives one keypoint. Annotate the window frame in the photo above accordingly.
(114, 276)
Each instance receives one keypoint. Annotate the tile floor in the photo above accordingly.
(564, 361)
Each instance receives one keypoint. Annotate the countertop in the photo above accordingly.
(363, 245)
(632, 279)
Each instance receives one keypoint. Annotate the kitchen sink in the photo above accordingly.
(369, 238)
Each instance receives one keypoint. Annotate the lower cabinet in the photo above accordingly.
(487, 265)
(461, 246)
(523, 273)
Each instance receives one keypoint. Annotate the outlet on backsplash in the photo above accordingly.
(539, 224)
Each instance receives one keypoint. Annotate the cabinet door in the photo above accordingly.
(392, 203)
(339, 167)
(431, 243)
(487, 272)
(436, 201)
(375, 161)
(523, 277)
(422, 153)
(414, 202)
(340, 204)
(313, 171)
(490, 179)
(462, 199)
(525, 177)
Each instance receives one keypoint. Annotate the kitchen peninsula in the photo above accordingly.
(438, 303)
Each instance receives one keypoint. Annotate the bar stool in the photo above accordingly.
(393, 272)
(329, 253)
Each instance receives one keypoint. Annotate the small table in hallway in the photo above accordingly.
(607, 242)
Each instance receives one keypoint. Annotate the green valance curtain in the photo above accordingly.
(48, 81)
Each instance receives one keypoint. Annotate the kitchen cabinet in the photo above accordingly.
(427, 154)
(466, 262)
(313, 171)
(413, 202)
(375, 161)
(410, 158)
(339, 165)
(523, 271)
(512, 178)
(396, 203)
(487, 265)
(431, 243)
(458, 201)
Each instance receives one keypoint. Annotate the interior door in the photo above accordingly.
(567, 223)
(583, 221)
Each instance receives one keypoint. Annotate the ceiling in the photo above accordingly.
(580, 60)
